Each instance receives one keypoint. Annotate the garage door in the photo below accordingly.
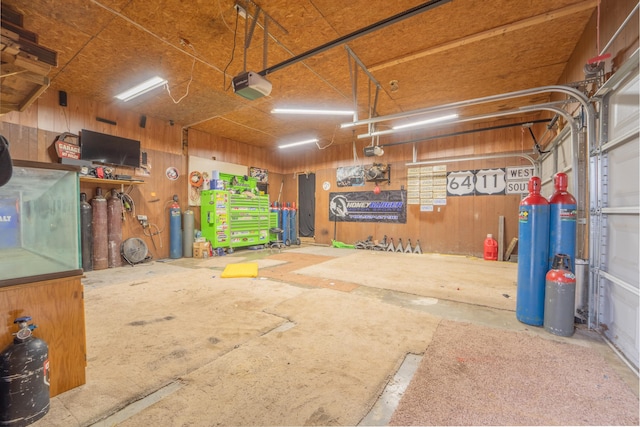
(615, 209)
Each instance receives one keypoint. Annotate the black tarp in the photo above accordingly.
(307, 207)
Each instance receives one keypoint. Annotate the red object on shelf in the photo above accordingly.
(490, 248)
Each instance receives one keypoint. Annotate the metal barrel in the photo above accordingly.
(100, 254)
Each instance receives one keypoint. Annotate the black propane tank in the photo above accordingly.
(86, 232)
(24, 378)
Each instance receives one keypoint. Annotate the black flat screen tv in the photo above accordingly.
(108, 149)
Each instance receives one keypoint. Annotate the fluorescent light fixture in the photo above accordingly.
(376, 133)
(143, 87)
(347, 125)
(313, 112)
(397, 128)
(293, 144)
(426, 122)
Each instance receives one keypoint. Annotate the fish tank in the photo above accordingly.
(39, 223)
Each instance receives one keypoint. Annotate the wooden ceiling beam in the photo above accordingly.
(498, 31)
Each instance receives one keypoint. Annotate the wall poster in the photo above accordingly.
(350, 176)
(365, 206)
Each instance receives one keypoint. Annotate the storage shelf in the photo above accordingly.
(109, 181)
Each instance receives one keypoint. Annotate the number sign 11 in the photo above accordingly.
(476, 182)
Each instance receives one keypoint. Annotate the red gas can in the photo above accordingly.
(490, 248)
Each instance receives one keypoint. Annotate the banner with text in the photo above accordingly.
(365, 206)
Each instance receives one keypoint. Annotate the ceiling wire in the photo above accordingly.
(224, 21)
(233, 54)
(190, 78)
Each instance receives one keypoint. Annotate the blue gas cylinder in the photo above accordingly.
(286, 225)
(562, 222)
(175, 230)
(533, 250)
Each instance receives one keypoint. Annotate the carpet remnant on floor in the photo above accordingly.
(474, 375)
(295, 261)
(446, 277)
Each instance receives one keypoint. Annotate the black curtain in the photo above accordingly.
(307, 207)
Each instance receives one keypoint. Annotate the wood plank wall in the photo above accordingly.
(32, 132)
(461, 226)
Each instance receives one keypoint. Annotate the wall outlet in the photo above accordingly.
(142, 217)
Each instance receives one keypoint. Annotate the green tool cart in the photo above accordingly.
(235, 217)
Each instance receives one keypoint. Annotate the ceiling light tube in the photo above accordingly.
(314, 112)
(400, 128)
(143, 87)
(426, 122)
(376, 133)
(293, 144)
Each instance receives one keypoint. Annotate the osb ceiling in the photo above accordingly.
(456, 50)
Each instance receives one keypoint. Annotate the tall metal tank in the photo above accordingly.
(563, 212)
(100, 231)
(533, 250)
(188, 223)
(114, 229)
(86, 232)
(175, 229)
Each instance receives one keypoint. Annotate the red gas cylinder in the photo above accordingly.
(490, 248)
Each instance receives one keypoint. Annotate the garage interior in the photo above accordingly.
(326, 333)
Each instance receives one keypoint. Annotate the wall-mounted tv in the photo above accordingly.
(108, 149)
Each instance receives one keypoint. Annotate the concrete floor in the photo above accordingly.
(379, 412)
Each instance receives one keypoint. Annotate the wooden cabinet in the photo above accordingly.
(57, 308)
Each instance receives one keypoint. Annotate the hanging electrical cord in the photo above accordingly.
(233, 54)
(331, 142)
(128, 205)
(151, 234)
(193, 65)
(164, 222)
